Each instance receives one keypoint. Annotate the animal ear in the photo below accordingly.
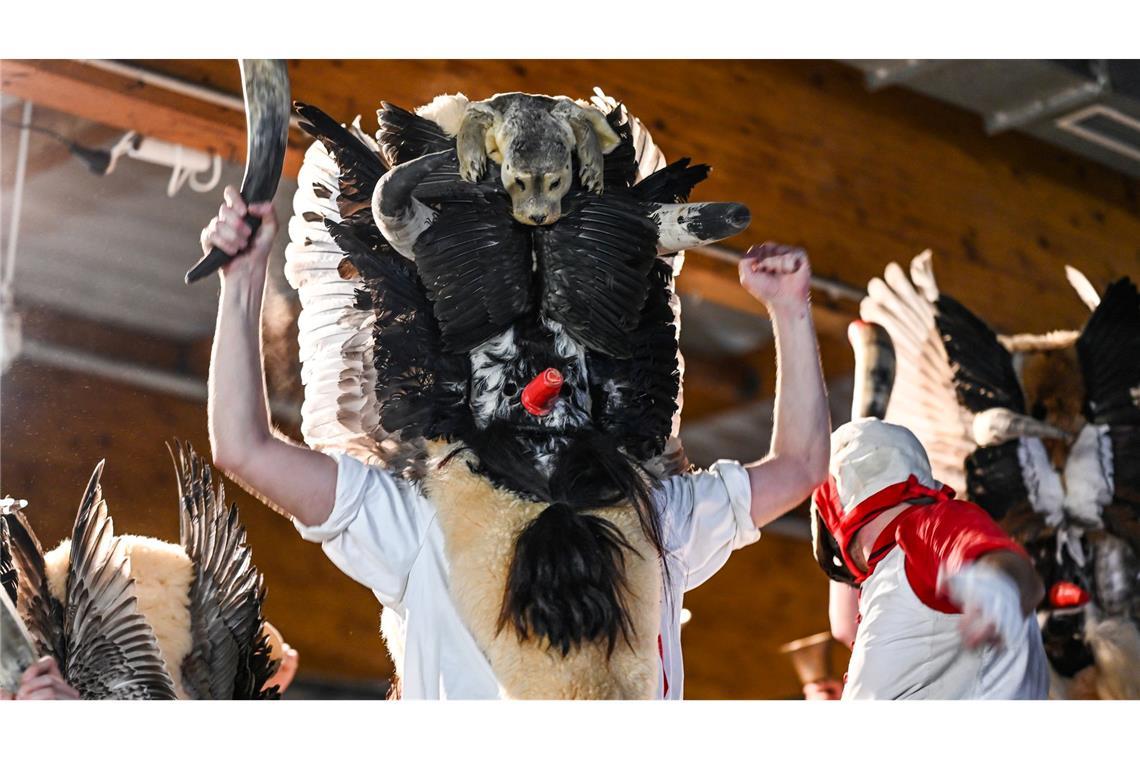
(593, 139)
(607, 138)
(472, 140)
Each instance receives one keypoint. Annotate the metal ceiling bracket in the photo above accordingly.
(1060, 101)
(897, 72)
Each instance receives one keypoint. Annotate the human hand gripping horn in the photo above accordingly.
(265, 87)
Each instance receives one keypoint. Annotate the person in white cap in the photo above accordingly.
(945, 596)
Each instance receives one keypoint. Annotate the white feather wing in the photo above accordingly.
(923, 398)
(340, 411)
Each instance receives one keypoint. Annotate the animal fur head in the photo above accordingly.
(1054, 391)
(532, 139)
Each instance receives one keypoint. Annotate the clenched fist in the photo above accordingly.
(779, 276)
(229, 231)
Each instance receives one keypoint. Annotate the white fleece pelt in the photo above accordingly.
(480, 524)
(1115, 643)
(162, 574)
(446, 111)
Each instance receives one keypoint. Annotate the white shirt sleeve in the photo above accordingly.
(706, 515)
(376, 529)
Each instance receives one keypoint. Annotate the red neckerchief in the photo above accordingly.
(844, 526)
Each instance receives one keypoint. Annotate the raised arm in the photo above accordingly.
(285, 475)
(779, 276)
(842, 612)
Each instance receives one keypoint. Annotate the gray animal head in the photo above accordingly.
(531, 137)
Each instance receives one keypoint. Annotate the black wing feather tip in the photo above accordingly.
(1109, 354)
(673, 183)
(226, 660)
(405, 136)
(984, 377)
(40, 611)
(111, 649)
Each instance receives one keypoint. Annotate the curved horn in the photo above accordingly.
(998, 425)
(685, 225)
(400, 217)
(874, 369)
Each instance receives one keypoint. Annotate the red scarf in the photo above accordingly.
(843, 526)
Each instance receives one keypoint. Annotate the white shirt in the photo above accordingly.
(906, 650)
(383, 532)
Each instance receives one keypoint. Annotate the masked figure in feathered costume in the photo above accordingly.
(1042, 431)
(133, 617)
(489, 346)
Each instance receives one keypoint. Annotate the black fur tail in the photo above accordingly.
(567, 580)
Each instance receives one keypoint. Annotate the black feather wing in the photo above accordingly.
(111, 650)
(26, 583)
(405, 136)
(594, 265)
(421, 388)
(673, 184)
(476, 264)
(229, 655)
(984, 377)
(637, 396)
(994, 479)
(360, 167)
(1109, 352)
(619, 168)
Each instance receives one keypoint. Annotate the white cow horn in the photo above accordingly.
(999, 425)
(400, 217)
(686, 225)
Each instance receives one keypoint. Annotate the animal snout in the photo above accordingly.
(537, 218)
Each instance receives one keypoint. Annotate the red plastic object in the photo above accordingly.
(541, 393)
(1065, 594)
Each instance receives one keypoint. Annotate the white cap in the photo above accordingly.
(868, 455)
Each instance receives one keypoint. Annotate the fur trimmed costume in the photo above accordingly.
(489, 319)
(480, 523)
(133, 617)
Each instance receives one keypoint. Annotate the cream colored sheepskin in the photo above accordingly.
(446, 111)
(1116, 648)
(480, 524)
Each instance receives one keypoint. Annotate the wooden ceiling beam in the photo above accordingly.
(130, 104)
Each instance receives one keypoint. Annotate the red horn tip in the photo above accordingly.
(541, 393)
(1065, 594)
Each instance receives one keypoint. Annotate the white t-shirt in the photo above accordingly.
(906, 650)
(383, 533)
